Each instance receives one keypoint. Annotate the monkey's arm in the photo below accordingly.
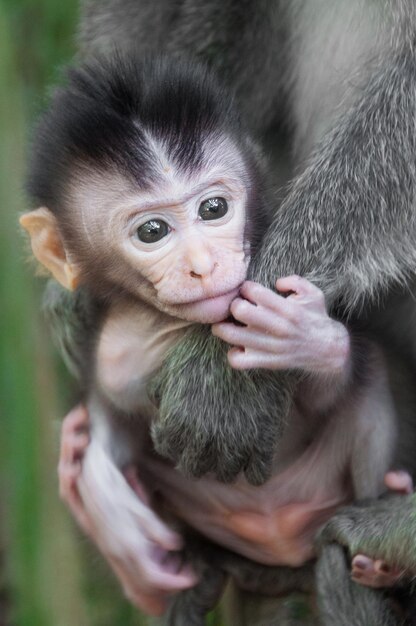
(74, 318)
(347, 224)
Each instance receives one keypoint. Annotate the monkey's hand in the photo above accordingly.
(285, 332)
(216, 419)
(141, 550)
(379, 535)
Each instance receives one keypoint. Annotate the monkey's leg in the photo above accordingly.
(265, 579)
(268, 596)
(254, 609)
(377, 573)
(382, 529)
(189, 608)
(344, 602)
(213, 418)
(214, 564)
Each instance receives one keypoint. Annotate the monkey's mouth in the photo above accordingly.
(209, 310)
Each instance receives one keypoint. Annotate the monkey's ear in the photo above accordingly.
(48, 246)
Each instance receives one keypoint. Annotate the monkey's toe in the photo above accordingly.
(374, 573)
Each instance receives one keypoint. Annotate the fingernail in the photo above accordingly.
(360, 563)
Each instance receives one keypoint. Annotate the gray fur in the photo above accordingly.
(214, 564)
(344, 602)
(356, 184)
(347, 223)
(385, 529)
(74, 319)
(203, 30)
(227, 440)
(338, 220)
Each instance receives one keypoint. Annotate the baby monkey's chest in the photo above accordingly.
(274, 524)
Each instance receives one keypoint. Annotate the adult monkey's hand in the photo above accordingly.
(149, 571)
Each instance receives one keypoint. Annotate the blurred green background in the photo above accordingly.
(50, 576)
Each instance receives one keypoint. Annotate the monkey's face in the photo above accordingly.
(190, 247)
(147, 174)
(179, 245)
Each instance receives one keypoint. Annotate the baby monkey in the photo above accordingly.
(152, 202)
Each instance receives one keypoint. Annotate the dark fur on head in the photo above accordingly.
(107, 118)
(103, 114)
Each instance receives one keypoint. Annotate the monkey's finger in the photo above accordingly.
(157, 532)
(68, 474)
(152, 603)
(153, 569)
(131, 475)
(300, 287)
(240, 359)
(247, 338)
(76, 419)
(74, 439)
(155, 529)
(69, 493)
(374, 573)
(170, 582)
(150, 590)
(73, 447)
(399, 481)
(259, 295)
(80, 515)
(267, 320)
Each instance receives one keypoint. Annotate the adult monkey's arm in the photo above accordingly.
(349, 225)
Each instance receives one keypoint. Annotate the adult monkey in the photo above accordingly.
(344, 77)
(341, 77)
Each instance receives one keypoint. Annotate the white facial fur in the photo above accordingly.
(197, 268)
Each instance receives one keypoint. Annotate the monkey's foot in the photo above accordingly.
(380, 534)
(375, 573)
(378, 573)
(213, 419)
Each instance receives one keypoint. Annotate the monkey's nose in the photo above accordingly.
(204, 274)
(199, 259)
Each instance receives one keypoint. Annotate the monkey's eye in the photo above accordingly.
(152, 231)
(213, 209)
